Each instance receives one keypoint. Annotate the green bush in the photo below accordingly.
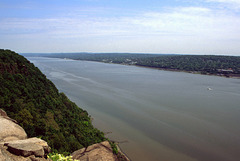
(60, 157)
(114, 147)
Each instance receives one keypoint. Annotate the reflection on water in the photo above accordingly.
(158, 115)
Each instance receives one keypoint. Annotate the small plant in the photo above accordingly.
(60, 157)
(114, 147)
(85, 123)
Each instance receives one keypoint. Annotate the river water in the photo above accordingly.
(154, 114)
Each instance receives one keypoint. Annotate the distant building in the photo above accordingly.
(225, 70)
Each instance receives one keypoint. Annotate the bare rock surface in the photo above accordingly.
(3, 113)
(34, 140)
(10, 130)
(5, 155)
(14, 145)
(97, 152)
(32, 149)
(28, 147)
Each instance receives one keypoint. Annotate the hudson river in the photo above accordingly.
(154, 114)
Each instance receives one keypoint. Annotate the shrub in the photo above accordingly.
(60, 157)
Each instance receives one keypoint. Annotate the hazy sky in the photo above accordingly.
(145, 26)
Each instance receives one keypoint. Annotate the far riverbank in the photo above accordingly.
(223, 66)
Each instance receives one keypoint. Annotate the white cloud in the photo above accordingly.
(174, 30)
(226, 1)
(191, 22)
(234, 4)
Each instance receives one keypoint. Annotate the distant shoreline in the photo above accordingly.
(236, 76)
(220, 71)
(191, 72)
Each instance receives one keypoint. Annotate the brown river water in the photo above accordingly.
(154, 114)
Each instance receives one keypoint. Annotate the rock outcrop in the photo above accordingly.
(3, 114)
(97, 152)
(10, 130)
(14, 145)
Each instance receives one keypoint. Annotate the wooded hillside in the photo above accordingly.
(30, 98)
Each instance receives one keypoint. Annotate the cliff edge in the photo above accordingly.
(14, 144)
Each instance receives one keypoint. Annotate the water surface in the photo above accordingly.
(154, 114)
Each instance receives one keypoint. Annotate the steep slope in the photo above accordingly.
(33, 100)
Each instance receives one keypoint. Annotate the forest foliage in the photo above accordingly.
(204, 64)
(30, 98)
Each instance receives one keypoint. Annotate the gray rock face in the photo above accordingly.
(3, 113)
(28, 147)
(14, 145)
(10, 130)
(97, 152)
(6, 155)
(26, 150)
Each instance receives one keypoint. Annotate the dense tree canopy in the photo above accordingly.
(30, 98)
(205, 64)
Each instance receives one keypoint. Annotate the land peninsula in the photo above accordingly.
(227, 66)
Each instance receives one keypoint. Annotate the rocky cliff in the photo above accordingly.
(16, 146)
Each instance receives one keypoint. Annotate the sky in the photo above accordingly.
(197, 27)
